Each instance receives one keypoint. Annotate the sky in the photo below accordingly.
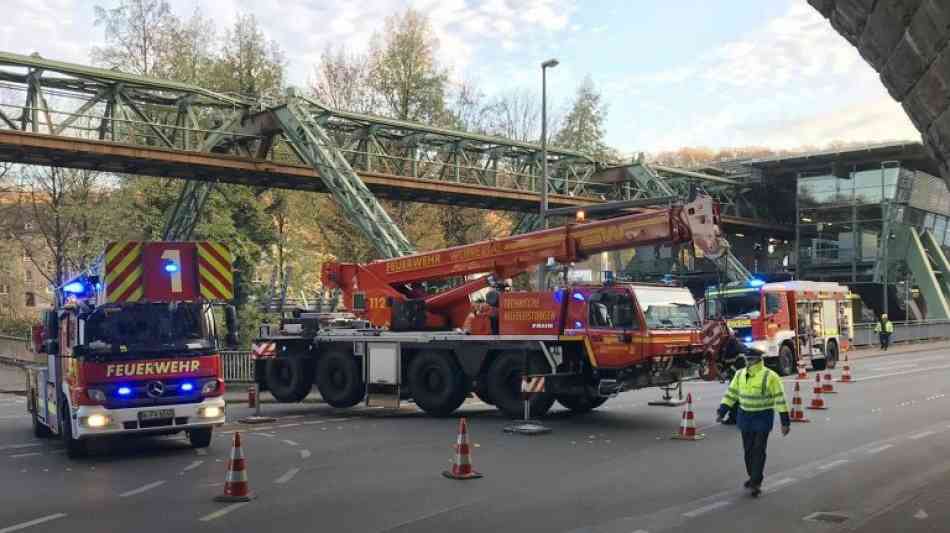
(713, 73)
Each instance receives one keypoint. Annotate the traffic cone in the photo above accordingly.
(236, 488)
(817, 402)
(462, 467)
(828, 387)
(797, 414)
(802, 371)
(688, 423)
(846, 371)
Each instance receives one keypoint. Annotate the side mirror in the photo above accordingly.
(230, 320)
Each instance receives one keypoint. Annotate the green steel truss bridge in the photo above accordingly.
(70, 115)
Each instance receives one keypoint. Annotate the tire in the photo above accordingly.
(504, 385)
(481, 392)
(287, 379)
(831, 355)
(339, 379)
(436, 382)
(200, 437)
(39, 430)
(75, 448)
(786, 361)
(581, 404)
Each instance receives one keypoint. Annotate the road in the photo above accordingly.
(879, 459)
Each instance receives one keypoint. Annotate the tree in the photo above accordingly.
(249, 63)
(583, 127)
(342, 80)
(517, 116)
(138, 34)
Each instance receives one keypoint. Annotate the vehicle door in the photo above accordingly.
(777, 315)
(614, 328)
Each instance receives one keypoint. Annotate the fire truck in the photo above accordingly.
(132, 347)
(787, 321)
(400, 339)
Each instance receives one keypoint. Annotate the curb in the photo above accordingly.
(921, 347)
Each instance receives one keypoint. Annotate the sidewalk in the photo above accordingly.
(897, 349)
(236, 393)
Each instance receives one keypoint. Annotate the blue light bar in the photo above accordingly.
(755, 282)
(187, 386)
(75, 287)
(124, 391)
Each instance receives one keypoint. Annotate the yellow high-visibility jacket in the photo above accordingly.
(756, 388)
(888, 327)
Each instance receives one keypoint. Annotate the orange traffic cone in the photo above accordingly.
(828, 387)
(817, 402)
(798, 413)
(236, 488)
(846, 371)
(802, 371)
(462, 467)
(688, 423)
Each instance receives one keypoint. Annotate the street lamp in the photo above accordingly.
(550, 63)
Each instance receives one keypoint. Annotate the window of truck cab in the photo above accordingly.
(734, 303)
(612, 309)
(667, 307)
(147, 327)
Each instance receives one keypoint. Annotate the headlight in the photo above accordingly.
(209, 387)
(211, 412)
(97, 421)
(96, 395)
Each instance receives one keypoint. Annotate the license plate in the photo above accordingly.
(157, 414)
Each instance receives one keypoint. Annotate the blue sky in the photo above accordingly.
(675, 73)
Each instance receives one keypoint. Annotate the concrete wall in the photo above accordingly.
(906, 41)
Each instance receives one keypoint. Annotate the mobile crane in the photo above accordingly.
(396, 341)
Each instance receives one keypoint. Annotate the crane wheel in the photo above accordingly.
(288, 379)
(581, 404)
(504, 384)
(436, 382)
(339, 379)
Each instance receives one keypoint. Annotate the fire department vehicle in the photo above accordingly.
(787, 320)
(134, 349)
(588, 342)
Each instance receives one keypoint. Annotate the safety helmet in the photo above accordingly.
(883, 316)
(753, 355)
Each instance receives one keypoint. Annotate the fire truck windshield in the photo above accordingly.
(744, 303)
(667, 308)
(145, 328)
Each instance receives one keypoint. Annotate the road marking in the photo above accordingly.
(192, 466)
(921, 514)
(19, 455)
(201, 451)
(304, 454)
(141, 489)
(921, 435)
(13, 416)
(219, 513)
(706, 508)
(290, 443)
(771, 487)
(905, 372)
(24, 525)
(264, 428)
(832, 464)
(295, 424)
(880, 449)
(288, 475)
(18, 446)
(327, 421)
(268, 435)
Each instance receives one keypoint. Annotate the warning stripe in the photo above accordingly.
(215, 277)
(124, 272)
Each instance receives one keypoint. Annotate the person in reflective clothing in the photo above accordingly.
(759, 394)
(884, 328)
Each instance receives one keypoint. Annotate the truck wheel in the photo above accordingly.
(436, 382)
(39, 430)
(481, 391)
(786, 361)
(200, 437)
(504, 385)
(287, 379)
(831, 357)
(581, 404)
(75, 448)
(339, 379)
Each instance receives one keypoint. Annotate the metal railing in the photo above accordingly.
(238, 366)
(907, 331)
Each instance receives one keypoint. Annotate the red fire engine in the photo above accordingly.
(398, 341)
(134, 349)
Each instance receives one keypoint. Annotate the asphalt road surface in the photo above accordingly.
(877, 460)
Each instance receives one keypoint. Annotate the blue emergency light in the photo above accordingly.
(755, 282)
(578, 296)
(75, 287)
(187, 386)
(171, 267)
(747, 339)
(124, 391)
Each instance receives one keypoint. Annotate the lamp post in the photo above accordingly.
(550, 63)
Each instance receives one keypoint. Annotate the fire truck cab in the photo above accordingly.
(787, 321)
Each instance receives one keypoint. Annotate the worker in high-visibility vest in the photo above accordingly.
(759, 394)
(884, 328)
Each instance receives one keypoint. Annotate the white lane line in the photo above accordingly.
(31, 523)
(192, 466)
(327, 421)
(288, 475)
(706, 508)
(304, 454)
(880, 449)
(19, 455)
(775, 485)
(295, 424)
(268, 435)
(219, 513)
(290, 443)
(829, 466)
(141, 489)
(5, 417)
(18, 446)
(905, 372)
(264, 428)
(921, 435)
